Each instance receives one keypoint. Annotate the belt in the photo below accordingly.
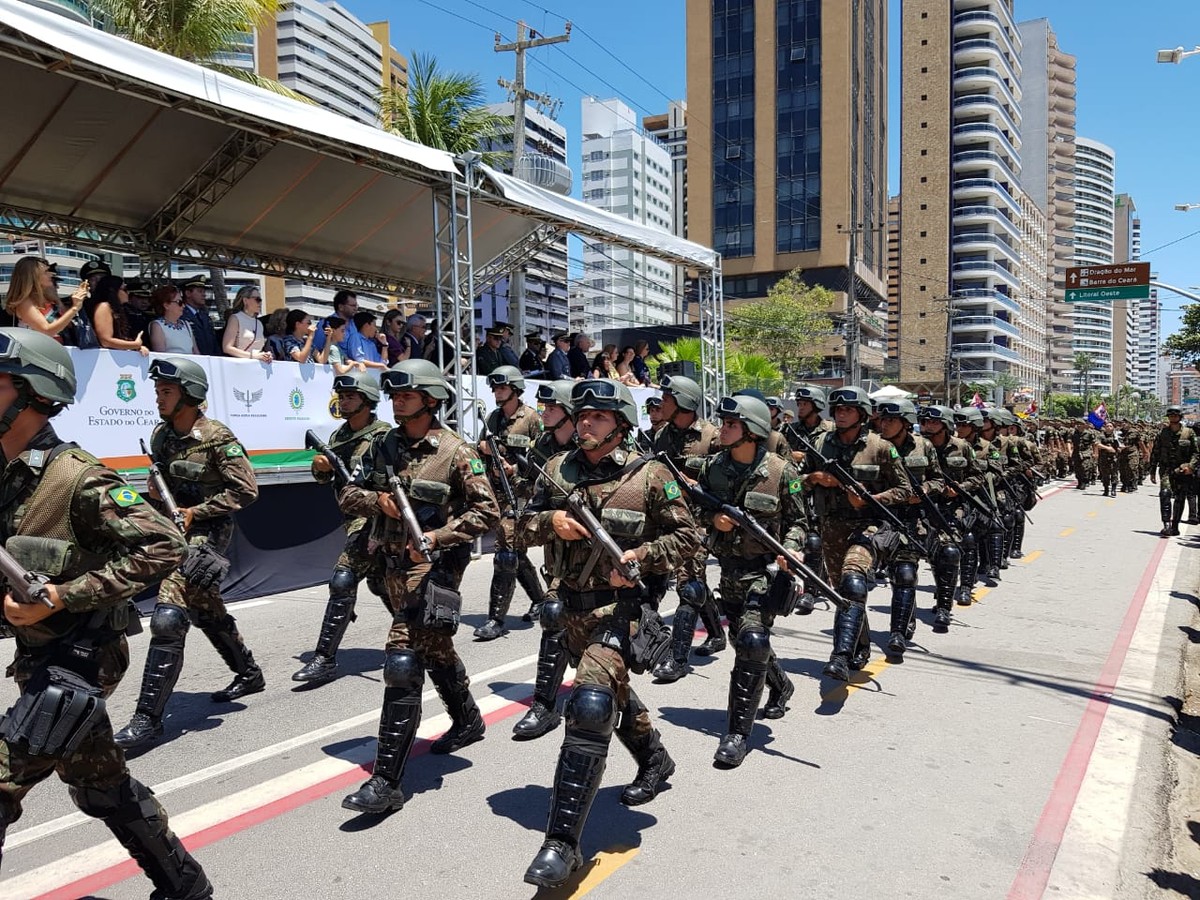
(583, 601)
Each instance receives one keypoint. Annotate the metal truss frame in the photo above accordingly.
(454, 279)
(712, 338)
(515, 256)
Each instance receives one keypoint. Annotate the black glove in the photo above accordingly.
(204, 567)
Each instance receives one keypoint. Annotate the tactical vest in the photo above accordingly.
(426, 479)
(191, 469)
(349, 445)
(861, 461)
(758, 492)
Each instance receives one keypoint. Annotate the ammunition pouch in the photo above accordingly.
(441, 606)
(760, 503)
(56, 711)
(517, 441)
(623, 523)
(650, 642)
(42, 555)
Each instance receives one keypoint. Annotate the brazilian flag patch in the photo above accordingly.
(671, 489)
(234, 450)
(125, 496)
(895, 453)
(477, 467)
(795, 486)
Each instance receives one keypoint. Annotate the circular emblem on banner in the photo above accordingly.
(296, 399)
(334, 409)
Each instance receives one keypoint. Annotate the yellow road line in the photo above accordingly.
(1066, 532)
(1093, 514)
(843, 690)
(595, 871)
(979, 593)
(1030, 557)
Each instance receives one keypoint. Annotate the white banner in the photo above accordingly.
(268, 406)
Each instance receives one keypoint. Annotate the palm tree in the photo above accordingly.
(198, 32)
(443, 110)
(742, 369)
(1084, 363)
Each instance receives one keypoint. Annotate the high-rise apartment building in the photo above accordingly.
(1127, 247)
(394, 74)
(787, 153)
(628, 173)
(895, 278)
(1048, 152)
(962, 238)
(1032, 297)
(545, 275)
(1148, 359)
(670, 128)
(1092, 323)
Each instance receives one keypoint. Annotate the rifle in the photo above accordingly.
(486, 439)
(852, 484)
(155, 476)
(988, 511)
(1013, 492)
(25, 587)
(341, 475)
(936, 516)
(416, 536)
(755, 529)
(604, 544)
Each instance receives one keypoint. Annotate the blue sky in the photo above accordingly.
(635, 50)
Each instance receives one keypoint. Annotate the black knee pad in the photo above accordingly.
(169, 624)
(904, 574)
(552, 615)
(812, 544)
(969, 541)
(753, 644)
(949, 556)
(592, 709)
(693, 593)
(506, 561)
(101, 803)
(402, 669)
(853, 587)
(342, 583)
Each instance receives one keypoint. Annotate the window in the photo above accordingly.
(733, 151)
(798, 54)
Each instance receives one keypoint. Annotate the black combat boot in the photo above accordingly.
(398, 722)
(543, 717)
(591, 712)
(528, 578)
(779, 690)
(968, 570)
(248, 678)
(504, 582)
(945, 575)
(745, 692)
(467, 723)
(644, 744)
(1019, 537)
(683, 628)
(163, 665)
(1191, 508)
(904, 606)
(847, 627)
(1176, 515)
(339, 613)
(715, 640)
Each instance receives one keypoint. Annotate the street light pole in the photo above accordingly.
(1176, 56)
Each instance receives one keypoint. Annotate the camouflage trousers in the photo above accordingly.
(97, 763)
(1127, 466)
(848, 546)
(203, 605)
(506, 532)
(435, 647)
(741, 593)
(600, 663)
(1085, 468)
(1107, 467)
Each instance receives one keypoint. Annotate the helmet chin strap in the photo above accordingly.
(594, 444)
(424, 410)
(10, 414)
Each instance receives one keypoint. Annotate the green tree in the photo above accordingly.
(742, 369)
(1084, 364)
(1007, 384)
(789, 326)
(1063, 406)
(1184, 345)
(442, 109)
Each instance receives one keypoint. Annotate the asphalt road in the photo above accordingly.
(959, 773)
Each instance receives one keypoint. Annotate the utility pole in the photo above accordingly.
(527, 39)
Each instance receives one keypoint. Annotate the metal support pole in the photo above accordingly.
(455, 285)
(712, 337)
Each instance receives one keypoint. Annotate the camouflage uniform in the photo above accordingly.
(687, 447)
(813, 551)
(510, 562)
(1083, 455)
(642, 506)
(1171, 450)
(848, 535)
(1109, 447)
(957, 461)
(206, 470)
(770, 489)
(122, 546)
(354, 563)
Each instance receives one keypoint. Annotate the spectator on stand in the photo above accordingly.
(638, 366)
(137, 312)
(371, 345)
(532, 362)
(345, 305)
(105, 310)
(26, 302)
(169, 333)
(335, 334)
(625, 367)
(393, 333)
(580, 364)
(244, 337)
(417, 336)
(493, 353)
(275, 328)
(301, 329)
(195, 312)
(558, 365)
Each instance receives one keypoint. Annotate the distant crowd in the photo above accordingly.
(111, 312)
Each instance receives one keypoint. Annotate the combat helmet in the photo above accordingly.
(851, 396)
(606, 394)
(416, 375)
(749, 410)
(899, 409)
(687, 393)
(361, 382)
(557, 392)
(814, 395)
(189, 375)
(40, 361)
(507, 375)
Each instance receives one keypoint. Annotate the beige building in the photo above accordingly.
(1048, 149)
(785, 170)
(1033, 273)
(894, 278)
(960, 230)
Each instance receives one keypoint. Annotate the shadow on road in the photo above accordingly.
(1185, 733)
(1179, 882)
(189, 712)
(356, 662)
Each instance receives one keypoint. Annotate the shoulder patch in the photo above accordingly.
(795, 486)
(671, 489)
(895, 453)
(125, 496)
(476, 466)
(233, 451)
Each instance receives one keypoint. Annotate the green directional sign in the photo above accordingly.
(1108, 294)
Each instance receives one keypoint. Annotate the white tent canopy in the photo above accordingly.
(891, 392)
(110, 144)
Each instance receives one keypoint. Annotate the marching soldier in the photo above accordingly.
(969, 424)
(1083, 454)
(444, 480)
(810, 403)
(558, 434)
(848, 523)
(1173, 460)
(357, 397)
(99, 543)
(686, 438)
(642, 505)
(1108, 448)
(208, 474)
(747, 474)
(511, 426)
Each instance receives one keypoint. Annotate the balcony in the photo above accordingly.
(976, 51)
(978, 241)
(980, 22)
(972, 188)
(972, 159)
(983, 77)
(984, 323)
(971, 132)
(963, 215)
(988, 297)
(977, 350)
(986, 104)
(981, 268)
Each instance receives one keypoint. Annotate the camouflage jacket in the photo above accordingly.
(874, 462)
(812, 434)
(512, 434)
(701, 438)
(546, 447)
(778, 444)
(957, 460)
(349, 446)
(770, 489)
(206, 470)
(923, 465)
(1173, 449)
(118, 543)
(444, 478)
(643, 510)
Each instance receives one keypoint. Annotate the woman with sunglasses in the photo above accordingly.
(31, 296)
(244, 337)
(104, 310)
(170, 333)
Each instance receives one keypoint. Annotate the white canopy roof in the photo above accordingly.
(891, 392)
(111, 144)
